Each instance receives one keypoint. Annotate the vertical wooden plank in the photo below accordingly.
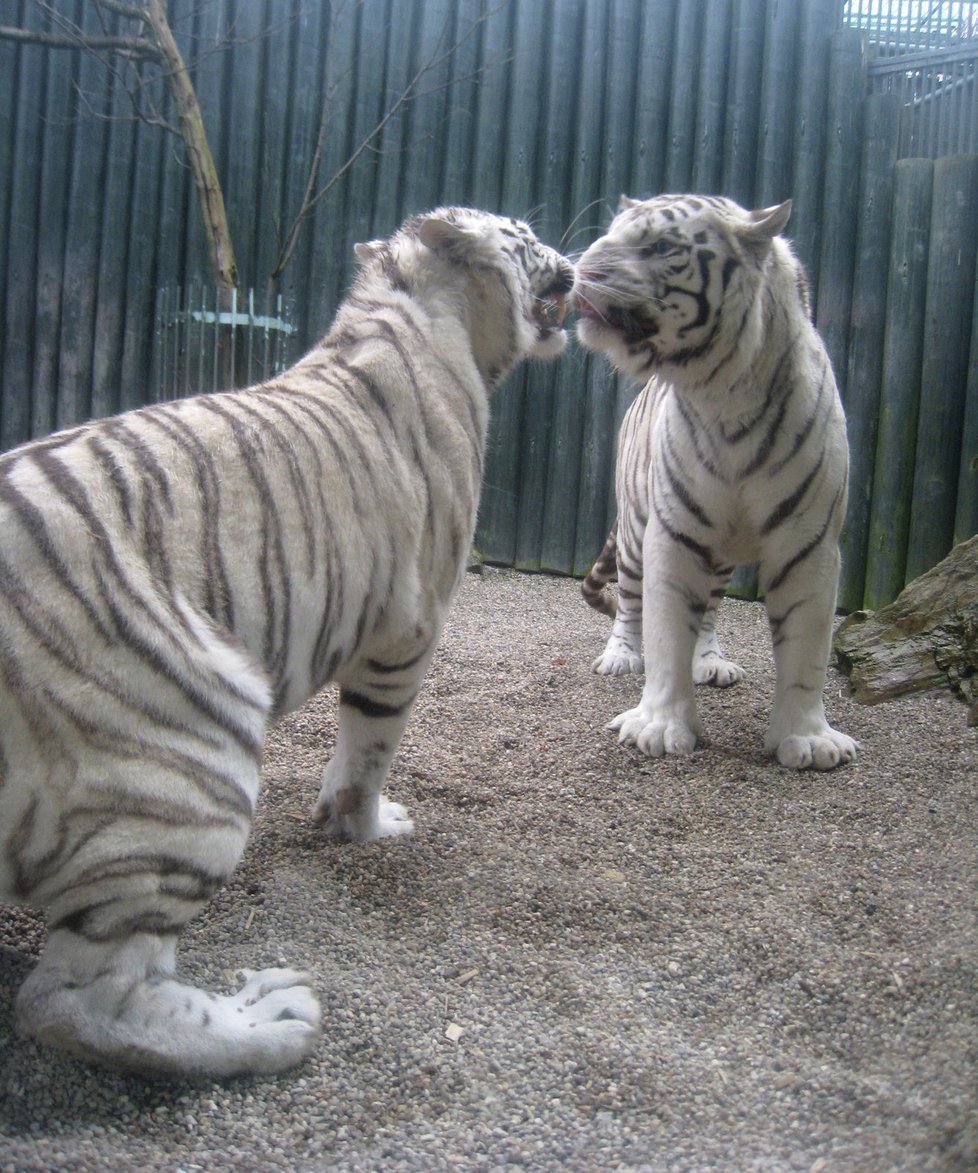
(306, 91)
(329, 242)
(947, 338)
(656, 37)
(496, 533)
(682, 106)
(778, 92)
(711, 101)
(903, 343)
(844, 128)
(116, 231)
(281, 87)
(424, 127)
(507, 128)
(554, 179)
(567, 453)
(818, 20)
(82, 245)
(966, 508)
(593, 378)
(51, 226)
(743, 100)
(241, 133)
(23, 182)
(149, 269)
(865, 373)
(458, 163)
(402, 162)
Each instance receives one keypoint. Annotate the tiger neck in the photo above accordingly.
(729, 382)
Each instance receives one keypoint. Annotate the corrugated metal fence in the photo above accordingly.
(547, 109)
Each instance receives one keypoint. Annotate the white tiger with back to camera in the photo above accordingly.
(733, 453)
(173, 578)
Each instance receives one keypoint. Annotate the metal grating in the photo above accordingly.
(926, 54)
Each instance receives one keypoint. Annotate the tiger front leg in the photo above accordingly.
(674, 599)
(373, 715)
(801, 608)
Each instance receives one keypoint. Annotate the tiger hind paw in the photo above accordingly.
(716, 671)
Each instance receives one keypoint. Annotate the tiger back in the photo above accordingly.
(733, 453)
(173, 578)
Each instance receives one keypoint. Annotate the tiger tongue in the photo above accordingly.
(549, 311)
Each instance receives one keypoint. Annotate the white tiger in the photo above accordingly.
(734, 452)
(172, 578)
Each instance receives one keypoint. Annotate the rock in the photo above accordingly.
(927, 638)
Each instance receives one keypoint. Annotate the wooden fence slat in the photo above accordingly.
(778, 87)
(569, 455)
(682, 106)
(652, 91)
(808, 164)
(16, 361)
(555, 177)
(868, 317)
(743, 103)
(841, 195)
(966, 511)
(595, 496)
(711, 101)
(515, 468)
(947, 338)
(903, 342)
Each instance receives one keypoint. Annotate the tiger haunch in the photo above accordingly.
(734, 452)
(173, 578)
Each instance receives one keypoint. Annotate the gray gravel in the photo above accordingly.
(693, 964)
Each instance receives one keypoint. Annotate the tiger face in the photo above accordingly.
(671, 277)
(514, 285)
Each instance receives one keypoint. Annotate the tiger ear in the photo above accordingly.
(625, 202)
(367, 250)
(766, 223)
(441, 235)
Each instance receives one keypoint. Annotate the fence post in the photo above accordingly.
(947, 338)
(843, 128)
(903, 347)
(966, 514)
(865, 359)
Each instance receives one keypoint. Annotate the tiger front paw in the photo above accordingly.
(655, 735)
(818, 751)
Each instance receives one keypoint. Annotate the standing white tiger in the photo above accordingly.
(735, 452)
(172, 578)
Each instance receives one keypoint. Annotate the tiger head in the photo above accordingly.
(672, 284)
(492, 271)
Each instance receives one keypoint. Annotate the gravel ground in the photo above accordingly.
(582, 959)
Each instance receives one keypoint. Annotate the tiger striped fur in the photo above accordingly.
(733, 453)
(173, 578)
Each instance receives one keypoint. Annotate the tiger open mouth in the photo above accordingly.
(632, 324)
(549, 311)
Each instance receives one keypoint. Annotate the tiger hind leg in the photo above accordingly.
(710, 666)
(622, 655)
(118, 1003)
